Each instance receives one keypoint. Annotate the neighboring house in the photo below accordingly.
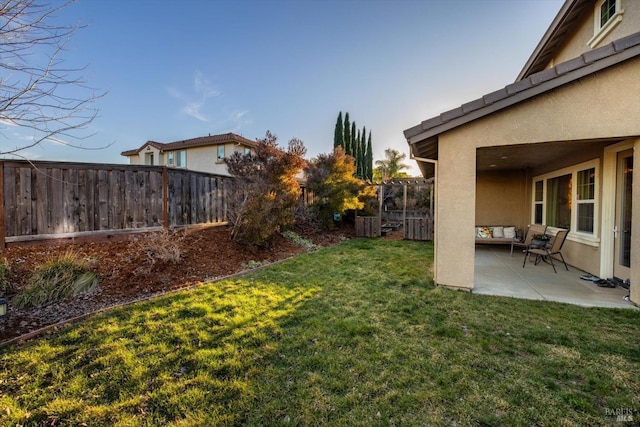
(204, 154)
(556, 147)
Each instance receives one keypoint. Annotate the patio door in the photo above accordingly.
(622, 235)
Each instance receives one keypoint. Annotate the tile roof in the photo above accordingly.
(202, 141)
(533, 85)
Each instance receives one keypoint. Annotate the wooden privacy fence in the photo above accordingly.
(418, 229)
(45, 200)
(367, 226)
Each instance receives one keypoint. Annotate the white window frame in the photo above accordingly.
(218, 158)
(170, 158)
(247, 150)
(600, 32)
(591, 239)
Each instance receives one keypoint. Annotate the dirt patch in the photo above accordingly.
(127, 272)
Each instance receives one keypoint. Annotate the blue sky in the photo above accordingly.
(176, 70)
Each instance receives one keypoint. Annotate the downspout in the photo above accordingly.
(435, 212)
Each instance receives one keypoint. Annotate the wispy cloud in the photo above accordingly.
(194, 103)
(7, 122)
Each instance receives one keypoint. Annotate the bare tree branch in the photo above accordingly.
(36, 91)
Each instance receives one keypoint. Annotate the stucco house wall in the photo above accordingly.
(139, 159)
(585, 110)
(502, 198)
(205, 159)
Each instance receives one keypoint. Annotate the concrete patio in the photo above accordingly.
(497, 273)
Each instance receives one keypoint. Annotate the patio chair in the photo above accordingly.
(533, 230)
(546, 253)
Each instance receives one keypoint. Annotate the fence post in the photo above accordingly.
(3, 227)
(404, 212)
(165, 198)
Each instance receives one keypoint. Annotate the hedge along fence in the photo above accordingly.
(50, 200)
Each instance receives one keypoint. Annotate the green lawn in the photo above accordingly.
(354, 334)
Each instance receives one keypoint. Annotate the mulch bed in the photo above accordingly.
(128, 273)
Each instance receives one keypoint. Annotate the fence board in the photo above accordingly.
(10, 202)
(56, 200)
(90, 197)
(128, 190)
(154, 195)
(24, 200)
(116, 202)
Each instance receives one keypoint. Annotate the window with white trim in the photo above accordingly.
(585, 200)
(567, 198)
(181, 158)
(220, 153)
(607, 14)
(247, 150)
(538, 200)
(170, 158)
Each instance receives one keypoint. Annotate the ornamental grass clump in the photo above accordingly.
(305, 244)
(60, 277)
(4, 271)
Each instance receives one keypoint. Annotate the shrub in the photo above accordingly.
(162, 246)
(266, 189)
(57, 278)
(330, 177)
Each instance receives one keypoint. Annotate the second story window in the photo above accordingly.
(220, 153)
(607, 11)
(181, 158)
(170, 160)
(247, 150)
(607, 14)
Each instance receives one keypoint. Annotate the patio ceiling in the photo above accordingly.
(554, 155)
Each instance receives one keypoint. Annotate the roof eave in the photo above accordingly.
(555, 77)
(552, 33)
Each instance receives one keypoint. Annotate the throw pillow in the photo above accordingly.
(484, 233)
(509, 232)
(498, 232)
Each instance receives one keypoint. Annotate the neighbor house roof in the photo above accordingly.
(202, 141)
(426, 133)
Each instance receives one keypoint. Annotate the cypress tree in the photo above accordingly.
(356, 154)
(353, 139)
(347, 134)
(338, 138)
(369, 160)
(362, 158)
(354, 143)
